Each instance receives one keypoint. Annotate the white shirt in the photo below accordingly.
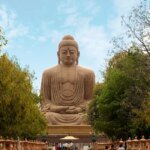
(121, 148)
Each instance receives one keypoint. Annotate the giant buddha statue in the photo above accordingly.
(67, 88)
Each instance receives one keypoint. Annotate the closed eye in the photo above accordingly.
(64, 52)
(72, 52)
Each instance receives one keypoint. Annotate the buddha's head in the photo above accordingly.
(68, 52)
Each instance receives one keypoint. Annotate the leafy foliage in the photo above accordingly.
(123, 104)
(124, 93)
(93, 112)
(19, 115)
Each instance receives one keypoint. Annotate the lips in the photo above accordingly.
(69, 59)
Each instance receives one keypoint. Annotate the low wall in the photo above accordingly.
(22, 145)
(135, 144)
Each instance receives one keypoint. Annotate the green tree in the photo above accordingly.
(126, 87)
(19, 114)
(93, 112)
(142, 120)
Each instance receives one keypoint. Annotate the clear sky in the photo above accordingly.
(34, 29)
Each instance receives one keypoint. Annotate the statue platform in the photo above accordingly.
(70, 130)
(83, 132)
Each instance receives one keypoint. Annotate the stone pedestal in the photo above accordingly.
(84, 134)
(70, 130)
(56, 132)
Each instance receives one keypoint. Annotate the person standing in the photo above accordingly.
(121, 147)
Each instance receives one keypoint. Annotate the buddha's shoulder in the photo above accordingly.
(51, 70)
(85, 70)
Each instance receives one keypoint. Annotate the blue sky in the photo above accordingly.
(34, 29)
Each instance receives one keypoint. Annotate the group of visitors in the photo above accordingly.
(121, 147)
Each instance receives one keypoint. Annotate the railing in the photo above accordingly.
(22, 145)
(135, 144)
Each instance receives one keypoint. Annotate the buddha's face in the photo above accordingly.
(68, 55)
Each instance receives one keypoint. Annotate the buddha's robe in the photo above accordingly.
(67, 87)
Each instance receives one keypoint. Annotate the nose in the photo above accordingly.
(68, 53)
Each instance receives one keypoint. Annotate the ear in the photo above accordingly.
(77, 60)
(57, 53)
(78, 53)
(58, 57)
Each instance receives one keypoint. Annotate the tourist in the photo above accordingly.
(121, 147)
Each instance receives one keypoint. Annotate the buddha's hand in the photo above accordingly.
(54, 108)
(74, 110)
(59, 109)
